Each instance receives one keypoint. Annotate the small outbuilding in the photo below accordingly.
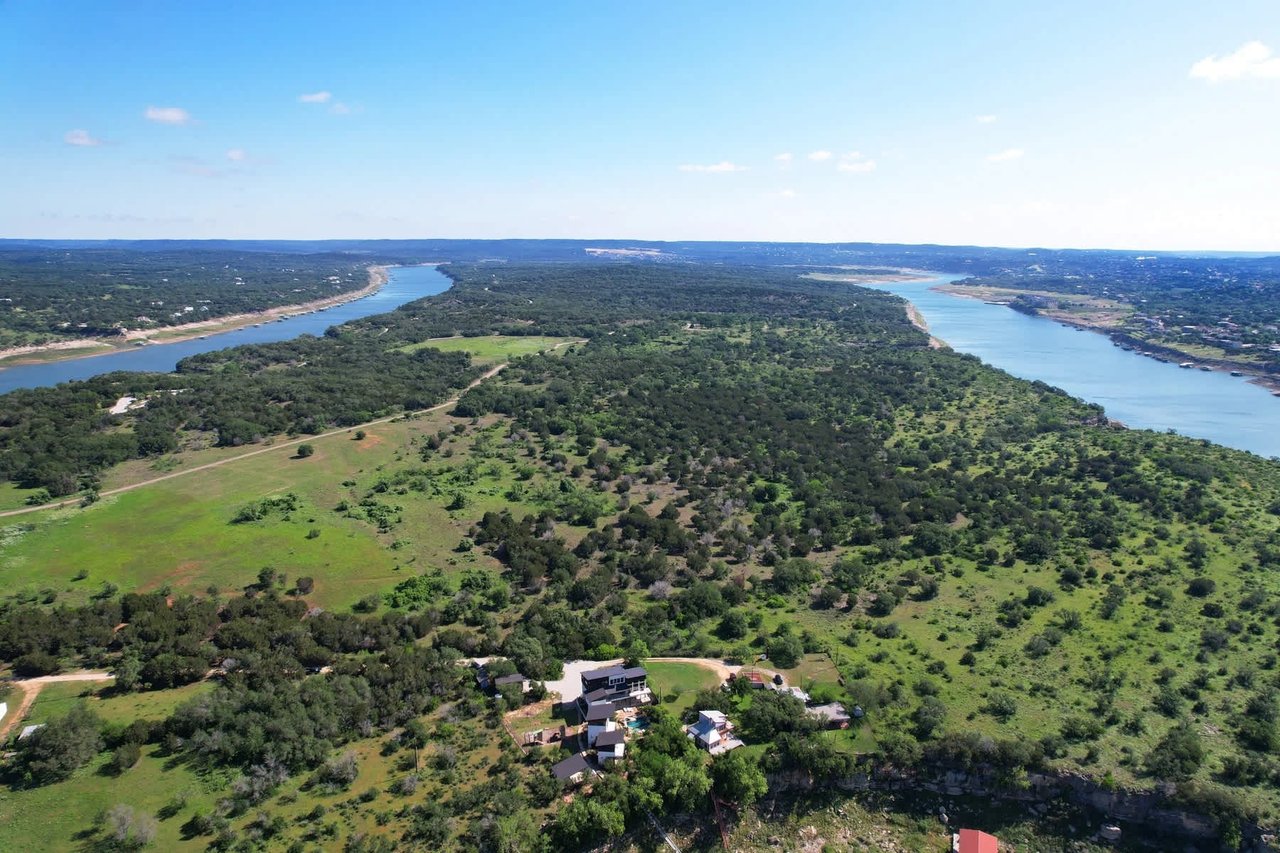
(974, 841)
(515, 679)
(832, 715)
(572, 770)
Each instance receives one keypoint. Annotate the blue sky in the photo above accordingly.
(1140, 124)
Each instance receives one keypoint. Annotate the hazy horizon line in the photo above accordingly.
(1187, 252)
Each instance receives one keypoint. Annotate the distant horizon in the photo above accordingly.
(1210, 253)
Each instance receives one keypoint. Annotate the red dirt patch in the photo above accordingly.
(180, 577)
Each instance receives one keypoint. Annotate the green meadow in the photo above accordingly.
(492, 349)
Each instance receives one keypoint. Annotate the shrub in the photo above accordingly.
(1001, 705)
(1201, 587)
(125, 756)
(1177, 756)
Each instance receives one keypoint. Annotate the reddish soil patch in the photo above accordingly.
(181, 576)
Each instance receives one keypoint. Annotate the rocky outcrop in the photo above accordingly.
(1148, 813)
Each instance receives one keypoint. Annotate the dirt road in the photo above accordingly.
(268, 449)
(489, 374)
(720, 668)
(30, 688)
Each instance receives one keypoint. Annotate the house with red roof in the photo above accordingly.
(974, 841)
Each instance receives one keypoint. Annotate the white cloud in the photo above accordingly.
(168, 115)
(855, 162)
(984, 119)
(723, 166)
(81, 138)
(315, 97)
(1005, 155)
(784, 159)
(1252, 59)
(237, 155)
(340, 109)
(819, 156)
(786, 193)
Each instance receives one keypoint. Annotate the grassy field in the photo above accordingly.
(56, 699)
(681, 679)
(124, 708)
(55, 817)
(187, 540)
(12, 497)
(61, 817)
(492, 349)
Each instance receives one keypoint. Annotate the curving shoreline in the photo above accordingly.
(1119, 337)
(379, 275)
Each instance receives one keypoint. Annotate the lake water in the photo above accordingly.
(1138, 390)
(404, 285)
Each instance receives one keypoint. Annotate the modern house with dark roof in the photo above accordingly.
(607, 691)
(611, 745)
(572, 770)
(617, 680)
(514, 679)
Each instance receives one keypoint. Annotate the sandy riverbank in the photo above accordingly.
(855, 276)
(378, 277)
(917, 320)
(56, 346)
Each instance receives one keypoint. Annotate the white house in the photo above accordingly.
(713, 732)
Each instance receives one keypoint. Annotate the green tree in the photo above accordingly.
(737, 778)
(929, 717)
(793, 575)
(733, 626)
(1178, 755)
(125, 756)
(59, 748)
(785, 651)
(587, 820)
(128, 672)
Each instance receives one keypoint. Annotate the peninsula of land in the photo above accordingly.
(85, 347)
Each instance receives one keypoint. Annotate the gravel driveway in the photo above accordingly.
(570, 685)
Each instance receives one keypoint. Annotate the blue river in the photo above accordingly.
(405, 284)
(1135, 389)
